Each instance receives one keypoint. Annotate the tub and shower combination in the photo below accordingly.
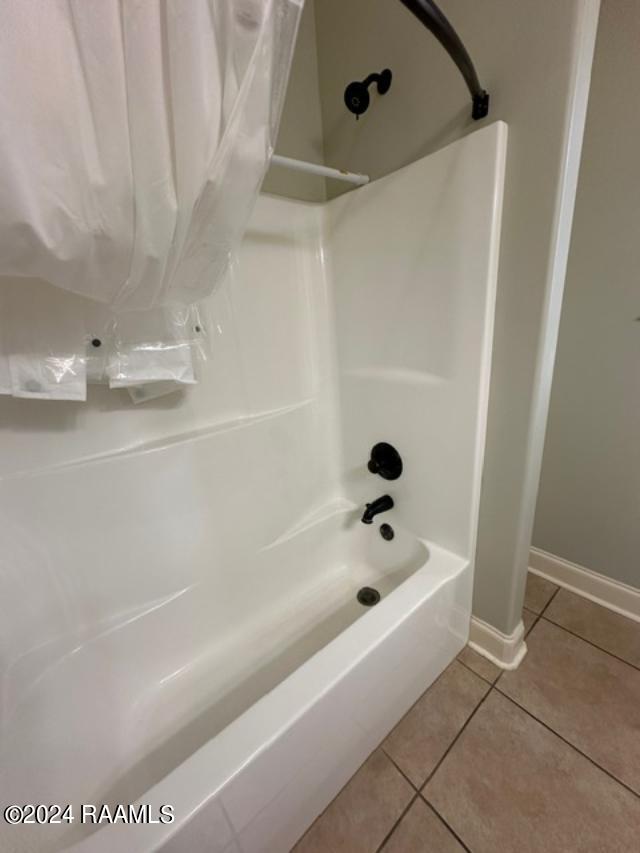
(180, 621)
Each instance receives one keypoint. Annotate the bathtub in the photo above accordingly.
(318, 683)
(248, 690)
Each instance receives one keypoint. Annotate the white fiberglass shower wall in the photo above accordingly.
(178, 619)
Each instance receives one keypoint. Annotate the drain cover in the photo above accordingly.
(368, 596)
(387, 532)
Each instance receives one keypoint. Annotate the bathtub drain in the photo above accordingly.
(368, 596)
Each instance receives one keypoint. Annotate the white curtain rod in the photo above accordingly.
(317, 169)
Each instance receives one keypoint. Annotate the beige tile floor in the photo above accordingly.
(545, 758)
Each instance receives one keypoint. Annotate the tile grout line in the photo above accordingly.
(455, 740)
(397, 823)
(536, 619)
(590, 642)
(399, 769)
(569, 744)
(440, 762)
(450, 828)
(540, 615)
(486, 680)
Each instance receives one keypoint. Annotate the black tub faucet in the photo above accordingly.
(380, 505)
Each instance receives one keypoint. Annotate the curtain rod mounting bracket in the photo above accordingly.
(480, 107)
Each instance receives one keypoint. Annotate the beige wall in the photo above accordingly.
(300, 133)
(525, 53)
(589, 502)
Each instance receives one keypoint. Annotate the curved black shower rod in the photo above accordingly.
(430, 15)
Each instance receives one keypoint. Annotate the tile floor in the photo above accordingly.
(546, 758)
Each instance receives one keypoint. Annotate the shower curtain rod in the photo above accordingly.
(430, 15)
(322, 171)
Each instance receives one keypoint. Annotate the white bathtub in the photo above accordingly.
(328, 679)
(249, 689)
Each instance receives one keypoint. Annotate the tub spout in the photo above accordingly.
(381, 505)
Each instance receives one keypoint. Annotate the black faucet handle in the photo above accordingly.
(385, 461)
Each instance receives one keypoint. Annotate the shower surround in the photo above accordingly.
(178, 613)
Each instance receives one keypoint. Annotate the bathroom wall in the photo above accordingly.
(300, 134)
(588, 508)
(526, 55)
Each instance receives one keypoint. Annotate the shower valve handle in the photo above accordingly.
(385, 461)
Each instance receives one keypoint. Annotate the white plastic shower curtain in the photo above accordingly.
(134, 137)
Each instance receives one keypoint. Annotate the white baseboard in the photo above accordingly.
(612, 594)
(505, 650)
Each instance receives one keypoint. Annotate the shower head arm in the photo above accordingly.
(433, 19)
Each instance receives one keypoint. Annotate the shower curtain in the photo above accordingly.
(134, 137)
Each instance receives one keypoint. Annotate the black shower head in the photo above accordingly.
(356, 95)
